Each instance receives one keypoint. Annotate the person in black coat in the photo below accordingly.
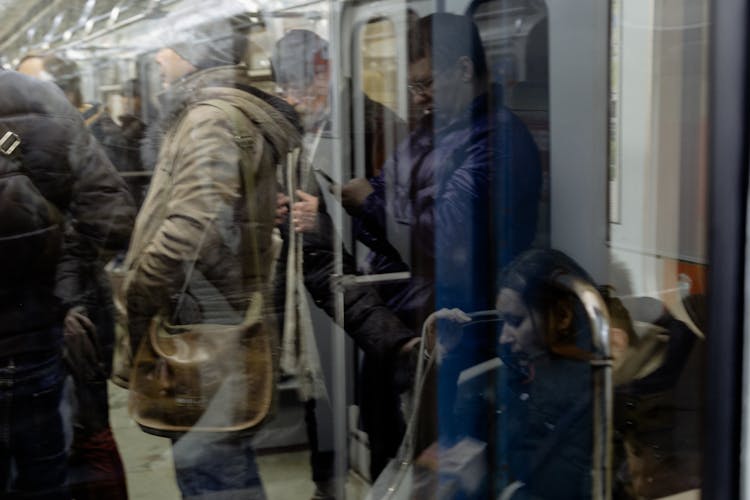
(96, 465)
(73, 174)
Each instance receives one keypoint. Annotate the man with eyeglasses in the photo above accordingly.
(467, 183)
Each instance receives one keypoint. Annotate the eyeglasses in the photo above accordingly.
(420, 88)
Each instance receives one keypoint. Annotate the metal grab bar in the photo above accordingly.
(601, 365)
(340, 283)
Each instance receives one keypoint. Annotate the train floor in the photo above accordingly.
(150, 473)
(286, 475)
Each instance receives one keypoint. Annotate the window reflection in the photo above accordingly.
(304, 173)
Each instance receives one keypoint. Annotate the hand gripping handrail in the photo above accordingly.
(601, 365)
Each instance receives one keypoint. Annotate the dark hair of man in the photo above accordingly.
(66, 75)
(297, 56)
(131, 88)
(445, 38)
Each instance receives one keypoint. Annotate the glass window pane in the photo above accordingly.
(320, 249)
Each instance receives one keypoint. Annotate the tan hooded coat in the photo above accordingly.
(191, 254)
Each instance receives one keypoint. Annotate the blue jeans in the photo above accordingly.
(33, 450)
(217, 465)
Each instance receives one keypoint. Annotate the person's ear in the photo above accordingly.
(466, 66)
(561, 316)
(619, 341)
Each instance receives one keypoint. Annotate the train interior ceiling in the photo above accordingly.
(111, 40)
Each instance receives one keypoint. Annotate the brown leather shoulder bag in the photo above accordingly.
(209, 377)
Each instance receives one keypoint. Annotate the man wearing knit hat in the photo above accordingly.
(191, 254)
(208, 46)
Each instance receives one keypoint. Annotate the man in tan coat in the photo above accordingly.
(191, 254)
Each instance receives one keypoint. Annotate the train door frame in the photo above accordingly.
(726, 468)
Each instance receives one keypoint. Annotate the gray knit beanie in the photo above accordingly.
(212, 44)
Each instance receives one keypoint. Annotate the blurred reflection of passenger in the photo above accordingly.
(188, 257)
(133, 130)
(657, 405)
(65, 73)
(301, 68)
(96, 466)
(533, 406)
(73, 173)
(466, 183)
(545, 343)
(131, 121)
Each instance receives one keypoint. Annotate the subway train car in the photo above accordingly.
(504, 248)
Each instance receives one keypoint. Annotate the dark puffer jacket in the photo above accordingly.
(72, 171)
(468, 190)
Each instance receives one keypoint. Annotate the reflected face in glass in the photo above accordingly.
(420, 84)
(435, 91)
(310, 100)
(521, 330)
(172, 66)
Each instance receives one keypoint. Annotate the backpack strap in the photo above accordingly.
(9, 142)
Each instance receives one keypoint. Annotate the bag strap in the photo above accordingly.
(550, 444)
(243, 138)
(563, 425)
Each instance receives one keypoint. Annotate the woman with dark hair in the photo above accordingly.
(543, 439)
(529, 409)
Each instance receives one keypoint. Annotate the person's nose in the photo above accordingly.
(419, 98)
(163, 378)
(507, 336)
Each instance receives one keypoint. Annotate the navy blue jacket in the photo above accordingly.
(469, 193)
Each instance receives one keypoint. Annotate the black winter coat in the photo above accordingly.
(72, 171)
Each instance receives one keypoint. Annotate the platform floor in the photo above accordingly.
(150, 473)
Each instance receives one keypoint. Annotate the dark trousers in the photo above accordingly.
(380, 408)
(321, 456)
(33, 454)
(217, 465)
(95, 466)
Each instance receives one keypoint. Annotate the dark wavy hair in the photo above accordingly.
(533, 274)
